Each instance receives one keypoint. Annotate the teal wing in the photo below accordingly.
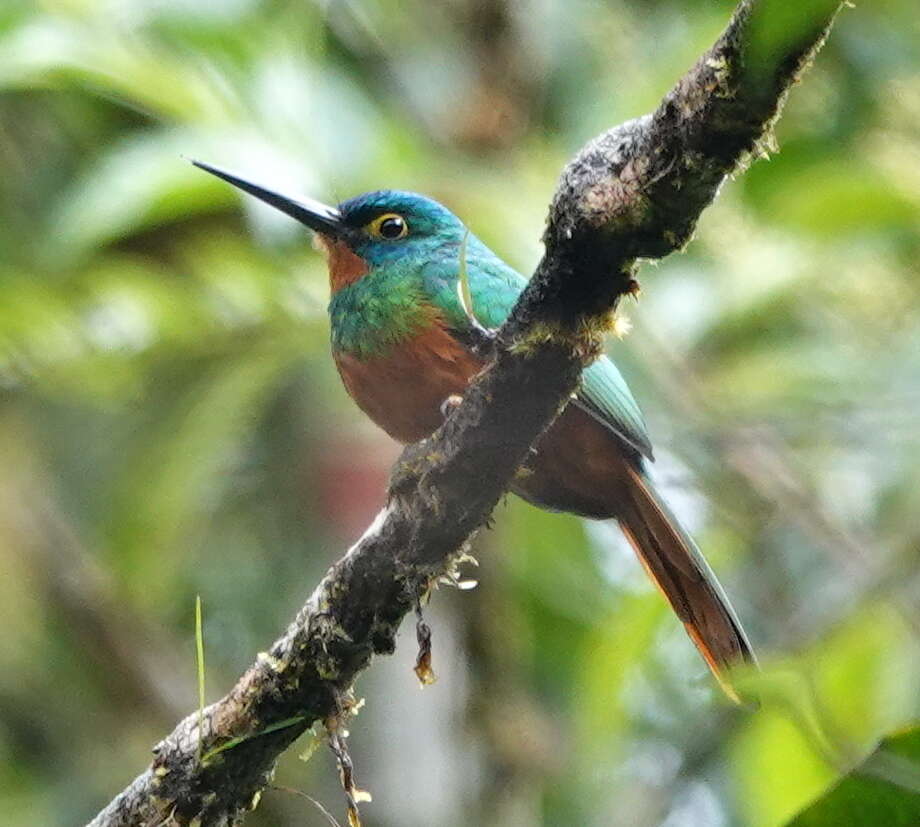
(606, 396)
(494, 288)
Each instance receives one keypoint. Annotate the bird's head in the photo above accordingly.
(367, 232)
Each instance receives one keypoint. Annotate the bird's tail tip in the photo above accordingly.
(678, 569)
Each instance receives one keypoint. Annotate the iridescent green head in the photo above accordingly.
(386, 225)
(379, 227)
(393, 261)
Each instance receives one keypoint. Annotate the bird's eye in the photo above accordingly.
(388, 226)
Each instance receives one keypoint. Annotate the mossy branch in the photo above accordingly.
(634, 192)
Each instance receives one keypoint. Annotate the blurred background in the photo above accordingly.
(171, 422)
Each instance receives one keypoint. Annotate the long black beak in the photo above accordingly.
(320, 217)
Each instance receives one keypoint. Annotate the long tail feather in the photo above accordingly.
(677, 567)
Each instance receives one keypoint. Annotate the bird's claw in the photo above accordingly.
(483, 339)
(450, 404)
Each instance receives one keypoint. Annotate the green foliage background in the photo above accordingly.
(171, 423)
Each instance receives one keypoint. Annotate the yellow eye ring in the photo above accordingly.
(390, 226)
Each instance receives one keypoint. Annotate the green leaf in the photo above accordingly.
(60, 53)
(781, 758)
(883, 790)
(144, 181)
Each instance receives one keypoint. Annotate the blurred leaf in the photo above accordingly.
(777, 768)
(176, 480)
(865, 675)
(148, 180)
(776, 24)
(611, 659)
(833, 198)
(883, 790)
(56, 51)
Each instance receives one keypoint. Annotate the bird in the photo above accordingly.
(412, 290)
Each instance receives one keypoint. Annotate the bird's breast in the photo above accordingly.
(404, 388)
(578, 465)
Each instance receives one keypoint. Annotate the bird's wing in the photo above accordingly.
(605, 395)
(494, 288)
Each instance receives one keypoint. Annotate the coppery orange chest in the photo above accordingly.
(403, 390)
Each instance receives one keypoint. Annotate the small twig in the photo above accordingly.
(199, 650)
(326, 814)
(353, 796)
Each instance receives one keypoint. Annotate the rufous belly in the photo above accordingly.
(578, 464)
(404, 389)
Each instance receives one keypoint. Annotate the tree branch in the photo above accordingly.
(633, 192)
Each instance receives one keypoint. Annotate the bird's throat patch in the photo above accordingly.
(344, 266)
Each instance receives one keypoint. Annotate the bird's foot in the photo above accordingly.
(449, 405)
(481, 340)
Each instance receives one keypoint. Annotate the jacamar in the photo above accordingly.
(401, 340)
